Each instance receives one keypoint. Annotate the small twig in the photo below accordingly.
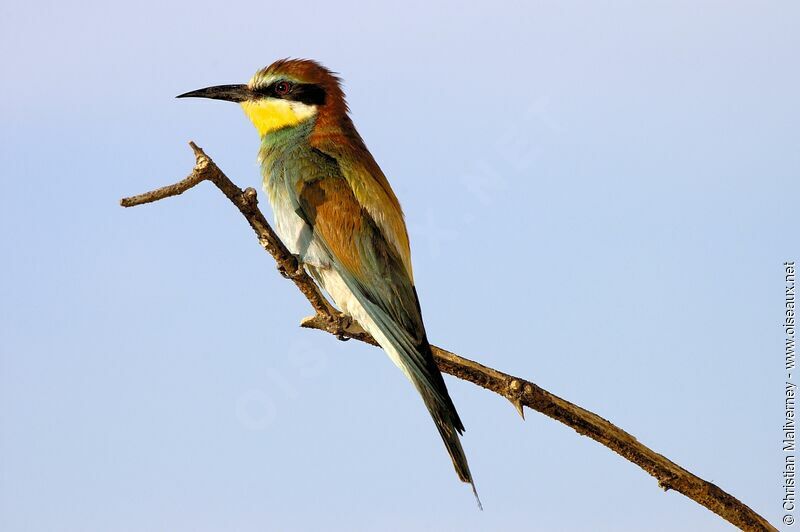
(519, 392)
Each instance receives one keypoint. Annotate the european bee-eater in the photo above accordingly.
(335, 210)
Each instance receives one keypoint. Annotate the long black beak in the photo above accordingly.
(229, 93)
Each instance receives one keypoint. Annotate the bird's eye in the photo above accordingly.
(282, 88)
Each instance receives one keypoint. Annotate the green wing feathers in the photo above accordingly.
(370, 265)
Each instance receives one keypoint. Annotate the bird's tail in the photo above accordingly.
(450, 429)
(401, 334)
(433, 390)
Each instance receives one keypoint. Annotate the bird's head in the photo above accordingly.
(285, 94)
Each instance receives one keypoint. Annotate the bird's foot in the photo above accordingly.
(291, 268)
(342, 323)
(337, 323)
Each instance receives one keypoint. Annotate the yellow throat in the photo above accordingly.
(270, 114)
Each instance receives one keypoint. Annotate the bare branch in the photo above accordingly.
(519, 392)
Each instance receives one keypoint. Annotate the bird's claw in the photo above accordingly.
(343, 323)
(291, 267)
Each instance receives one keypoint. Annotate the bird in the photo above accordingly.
(336, 212)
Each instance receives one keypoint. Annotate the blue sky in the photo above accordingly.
(600, 197)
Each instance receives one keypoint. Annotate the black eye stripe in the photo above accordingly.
(307, 93)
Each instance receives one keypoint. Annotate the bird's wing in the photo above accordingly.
(369, 186)
(373, 268)
(372, 261)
